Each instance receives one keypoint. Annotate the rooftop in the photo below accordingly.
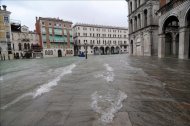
(53, 19)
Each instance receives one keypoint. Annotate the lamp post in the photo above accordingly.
(85, 49)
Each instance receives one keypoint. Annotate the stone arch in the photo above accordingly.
(59, 52)
(117, 50)
(102, 50)
(165, 19)
(96, 51)
(170, 29)
(107, 50)
(112, 50)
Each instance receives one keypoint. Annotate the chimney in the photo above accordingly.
(4, 7)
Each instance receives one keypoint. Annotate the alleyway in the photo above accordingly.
(115, 90)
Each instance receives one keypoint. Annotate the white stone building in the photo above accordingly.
(100, 40)
(143, 27)
(24, 43)
(174, 29)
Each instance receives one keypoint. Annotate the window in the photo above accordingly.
(131, 7)
(139, 19)
(7, 35)
(49, 23)
(145, 18)
(43, 23)
(6, 19)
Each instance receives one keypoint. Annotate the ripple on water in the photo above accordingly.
(107, 103)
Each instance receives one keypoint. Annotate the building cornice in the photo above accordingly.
(54, 19)
(99, 26)
(156, 26)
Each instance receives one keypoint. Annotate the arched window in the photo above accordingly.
(135, 4)
(131, 7)
(28, 46)
(135, 23)
(131, 22)
(145, 18)
(32, 46)
(25, 46)
(19, 47)
(139, 19)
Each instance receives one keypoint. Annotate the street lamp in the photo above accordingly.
(85, 43)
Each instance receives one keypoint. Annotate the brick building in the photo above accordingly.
(55, 36)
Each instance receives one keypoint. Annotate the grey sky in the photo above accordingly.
(93, 12)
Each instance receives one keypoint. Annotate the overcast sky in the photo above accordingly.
(106, 12)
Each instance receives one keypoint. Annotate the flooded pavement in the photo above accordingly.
(117, 90)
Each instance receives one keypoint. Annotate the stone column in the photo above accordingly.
(161, 45)
(129, 26)
(133, 24)
(149, 16)
(183, 43)
(142, 44)
(174, 44)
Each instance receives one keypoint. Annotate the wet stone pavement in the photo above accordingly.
(117, 90)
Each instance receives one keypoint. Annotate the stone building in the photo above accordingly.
(25, 43)
(100, 40)
(5, 34)
(143, 27)
(174, 29)
(55, 36)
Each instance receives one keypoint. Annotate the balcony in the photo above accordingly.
(59, 39)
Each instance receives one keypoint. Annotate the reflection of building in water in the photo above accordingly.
(55, 36)
(143, 27)
(100, 40)
(5, 34)
(24, 42)
(174, 29)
